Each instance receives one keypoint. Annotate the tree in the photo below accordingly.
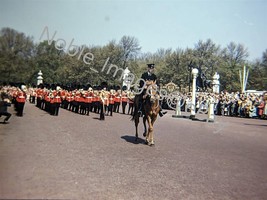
(232, 59)
(129, 48)
(206, 57)
(16, 51)
(48, 59)
(173, 69)
(264, 65)
(21, 59)
(256, 76)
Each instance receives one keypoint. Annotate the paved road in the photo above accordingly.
(80, 157)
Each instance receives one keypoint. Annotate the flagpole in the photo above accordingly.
(244, 79)
(240, 78)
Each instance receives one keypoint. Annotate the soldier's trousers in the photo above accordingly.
(130, 109)
(20, 108)
(124, 104)
(116, 107)
(87, 108)
(57, 106)
(110, 109)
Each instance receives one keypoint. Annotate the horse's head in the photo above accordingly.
(152, 92)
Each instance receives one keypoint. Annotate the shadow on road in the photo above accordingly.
(255, 124)
(96, 118)
(4, 122)
(132, 140)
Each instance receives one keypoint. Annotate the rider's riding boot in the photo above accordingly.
(161, 113)
(140, 113)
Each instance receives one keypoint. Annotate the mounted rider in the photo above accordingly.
(148, 77)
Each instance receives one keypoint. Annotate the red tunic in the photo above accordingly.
(21, 97)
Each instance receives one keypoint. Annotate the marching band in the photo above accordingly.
(79, 101)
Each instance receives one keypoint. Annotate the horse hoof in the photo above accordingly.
(151, 144)
(136, 138)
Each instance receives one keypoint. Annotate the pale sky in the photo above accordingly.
(156, 24)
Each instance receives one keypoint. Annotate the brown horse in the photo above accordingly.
(151, 109)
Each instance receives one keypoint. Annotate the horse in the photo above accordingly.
(207, 84)
(151, 108)
(202, 83)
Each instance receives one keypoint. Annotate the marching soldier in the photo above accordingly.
(52, 103)
(103, 102)
(71, 102)
(111, 101)
(20, 102)
(88, 101)
(14, 96)
(62, 94)
(124, 100)
(68, 100)
(39, 93)
(42, 101)
(82, 103)
(117, 101)
(131, 103)
(98, 105)
(93, 105)
(105, 99)
(64, 102)
(76, 102)
(57, 102)
(32, 95)
(94, 98)
(47, 100)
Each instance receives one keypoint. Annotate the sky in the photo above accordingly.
(156, 24)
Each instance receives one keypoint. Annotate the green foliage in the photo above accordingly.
(16, 52)
(21, 59)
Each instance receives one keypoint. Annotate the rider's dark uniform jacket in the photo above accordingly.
(147, 77)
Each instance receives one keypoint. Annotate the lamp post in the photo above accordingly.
(211, 109)
(189, 76)
(193, 106)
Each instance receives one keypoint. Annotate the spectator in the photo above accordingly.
(252, 112)
(265, 110)
(261, 108)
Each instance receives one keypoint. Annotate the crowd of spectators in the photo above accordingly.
(234, 104)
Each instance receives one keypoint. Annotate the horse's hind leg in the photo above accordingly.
(136, 120)
(145, 131)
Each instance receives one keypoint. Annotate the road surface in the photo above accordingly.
(72, 156)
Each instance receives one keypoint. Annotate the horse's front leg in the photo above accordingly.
(145, 130)
(136, 120)
(152, 130)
